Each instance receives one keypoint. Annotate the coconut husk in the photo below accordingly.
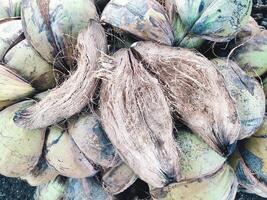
(88, 134)
(196, 92)
(75, 93)
(52, 27)
(137, 120)
(118, 179)
(20, 148)
(10, 8)
(146, 19)
(85, 189)
(247, 93)
(64, 155)
(221, 185)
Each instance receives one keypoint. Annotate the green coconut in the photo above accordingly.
(247, 93)
(221, 185)
(20, 148)
(52, 27)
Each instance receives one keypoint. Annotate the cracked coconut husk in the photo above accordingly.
(76, 92)
(196, 92)
(137, 120)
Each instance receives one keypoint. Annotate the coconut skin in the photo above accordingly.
(64, 155)
(221, 185)
(89, 136)
(137, 120)
(196, 93)
(247, 93)
(146, 19)
(20, 148)
(52, 27)
(10, 8)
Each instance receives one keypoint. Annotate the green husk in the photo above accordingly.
(10, 8)
(247, 93)
(20, 148)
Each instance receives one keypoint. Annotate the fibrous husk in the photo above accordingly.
(137, 120)
(54, 190)
(26, 62)
(76, 92)
(251, 55)
(89, 136)
(41, 174)
(118, 178)
(221, 185)
(146, 19)
(215, 20)
(64, 155)
(248, 182)
(10, 8)
(13, 87)
(197, 158)
(196, 91)
(254, 153)
(20, 148)
(265, 88)
(85, 189)
(10, 34)
(249, 30)
(247, 93)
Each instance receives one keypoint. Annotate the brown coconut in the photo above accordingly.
(196, 91)
(137, 120)
(75, 93)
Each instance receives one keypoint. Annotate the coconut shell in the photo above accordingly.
(137, 120)
(41, 174)
(253, 152)
(87, 133)
(196, 91)
(118, 179)
(20, 148)
(247, 93)
(251, 56)
(10, 8)
(10, 34)
(221, 185)
(26, 62)
(197, 158)
(85, 189)
(75, 93)
(64, 155)
(247, 180)
(145, 19)
(13, 86)
(54, 190)
(52, 27)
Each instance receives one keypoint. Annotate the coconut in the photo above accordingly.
(196, 92)
(13, 87)
(10, 34)
(137, 120)
(54, 190)
(221, 185)
(64, 155)
(214, 20)
(75, 93)
(146, 19)
(198, 160)
(247, 180)
(247, 93)
(251, 56)
(87, 133)
(52, 26)
(20, 148)
(10, 8)
(265, 87)
(85, 189)
(118, 179)
(41, 174)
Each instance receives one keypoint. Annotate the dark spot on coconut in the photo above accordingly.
(201, 6)
(219, 10)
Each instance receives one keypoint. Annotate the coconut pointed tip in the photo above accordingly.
(22, 117)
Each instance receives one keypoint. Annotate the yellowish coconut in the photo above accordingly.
(64, 155)
(20, 148)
